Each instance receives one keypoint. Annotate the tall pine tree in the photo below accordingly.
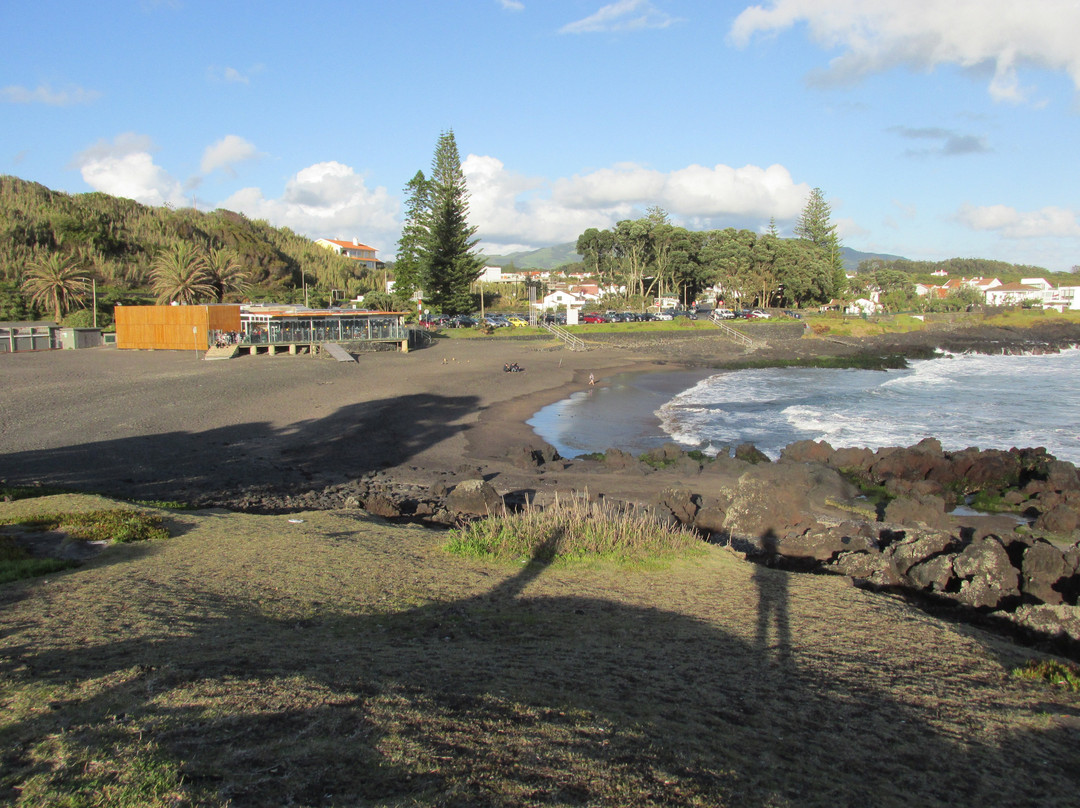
(814, 226)
(409, 266)
(450, 264)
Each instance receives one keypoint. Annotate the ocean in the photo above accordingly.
(964, 400)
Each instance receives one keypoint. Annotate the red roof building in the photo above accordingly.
(351, 249)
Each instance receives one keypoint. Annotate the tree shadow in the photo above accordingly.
(506, 698)
(304, 455)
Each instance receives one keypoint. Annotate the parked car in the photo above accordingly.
(792, 314)
(759, 314)
(434, 321)
(664, 315)
(516, 321)
(723, 314)
(593, 317)
(683, 313)
(462, 321)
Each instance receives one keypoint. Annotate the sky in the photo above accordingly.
(934, 129)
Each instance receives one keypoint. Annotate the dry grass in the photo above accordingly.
(250, 660)
(573, 531)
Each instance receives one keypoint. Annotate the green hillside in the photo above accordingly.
(115, 241)
(544, 258)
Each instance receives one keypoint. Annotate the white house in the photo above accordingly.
(1013, 294)
(351, 249)
(561, 297)
(871, 304)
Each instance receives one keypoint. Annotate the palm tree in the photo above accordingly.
(57, 281)
(226, 273)
(179, 274)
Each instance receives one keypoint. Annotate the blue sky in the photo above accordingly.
(934, 129)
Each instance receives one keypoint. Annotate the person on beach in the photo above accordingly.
(592, 381)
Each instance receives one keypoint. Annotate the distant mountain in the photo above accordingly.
(552, 257)
(544, 258)
(852, 258)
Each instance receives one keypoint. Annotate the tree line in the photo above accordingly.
(651, 257)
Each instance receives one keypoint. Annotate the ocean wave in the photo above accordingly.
(997, 401)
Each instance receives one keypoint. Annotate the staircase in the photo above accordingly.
(572, 342)
(224, 352)
(736, 335)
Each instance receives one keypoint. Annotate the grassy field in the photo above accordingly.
(831, 324)
(329, 658)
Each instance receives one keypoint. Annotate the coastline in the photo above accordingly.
(708, 410)
(167, 426)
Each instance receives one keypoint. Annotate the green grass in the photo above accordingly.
(252, 660)
(133, 775)
(1051, 671)
(580, 531)
(992, 502)
(118, 525)
(164, 504)
(10, 493)
(679, 324)
(1024, 318)
(16, 563)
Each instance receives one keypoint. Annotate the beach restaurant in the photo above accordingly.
(257, 328)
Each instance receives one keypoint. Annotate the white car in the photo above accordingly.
(723, 314)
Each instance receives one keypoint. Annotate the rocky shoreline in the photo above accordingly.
(439, 436)
(809, 511)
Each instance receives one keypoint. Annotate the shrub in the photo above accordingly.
(16, 563)
(578, 531)
(1051, 671)
(109, 526)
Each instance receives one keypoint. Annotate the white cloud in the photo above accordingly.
(126, 168)
(234, 76)
(44, 94)
(228, 151)
(695, 191)
(510, 209)
(622, 15)
(1048, 222)
(230, 75)
(512, 5)
(879, 35)
(327, 200)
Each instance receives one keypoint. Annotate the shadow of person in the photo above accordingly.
(514, 693)
(772, 607)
